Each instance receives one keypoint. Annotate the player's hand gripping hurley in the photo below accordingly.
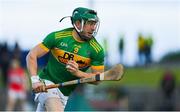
(114, 74)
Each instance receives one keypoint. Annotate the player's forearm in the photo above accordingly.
(31, 61)
(82, 74)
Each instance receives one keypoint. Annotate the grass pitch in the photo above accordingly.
(145, 76)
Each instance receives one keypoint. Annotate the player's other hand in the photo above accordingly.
(38, 87)
(37, 84)
(72, 66)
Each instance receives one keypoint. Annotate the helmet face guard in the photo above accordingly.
(85, 16)
(80, 31)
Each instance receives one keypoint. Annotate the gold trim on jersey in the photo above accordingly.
(64, 56)
(95, 45)
(63, 34)
(98, 68)
(44, 47)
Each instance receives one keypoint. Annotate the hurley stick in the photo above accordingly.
(114, 74)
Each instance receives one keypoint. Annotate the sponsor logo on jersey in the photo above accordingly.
(64, 56)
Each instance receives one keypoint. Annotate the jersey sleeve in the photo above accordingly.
(49, 41)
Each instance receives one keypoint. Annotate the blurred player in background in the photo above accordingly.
(16, 86)
(121, 48)
(71, 52)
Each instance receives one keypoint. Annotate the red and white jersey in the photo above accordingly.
(16, 79)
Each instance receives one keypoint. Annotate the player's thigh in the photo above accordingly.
(40, 108)
(54, 104)
(51, 94)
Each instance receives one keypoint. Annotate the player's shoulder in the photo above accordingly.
(61, 33)
(94, 44)
(66, 30)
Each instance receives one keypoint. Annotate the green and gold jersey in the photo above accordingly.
(63, 47)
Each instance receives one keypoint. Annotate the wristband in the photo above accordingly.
(35, 79)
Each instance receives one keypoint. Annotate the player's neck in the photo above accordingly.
(76, 36)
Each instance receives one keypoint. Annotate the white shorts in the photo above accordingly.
(55, 93)
(17, 94)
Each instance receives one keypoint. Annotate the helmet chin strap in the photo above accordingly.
(83, 37)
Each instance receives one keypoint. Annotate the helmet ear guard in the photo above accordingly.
(82, 25)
